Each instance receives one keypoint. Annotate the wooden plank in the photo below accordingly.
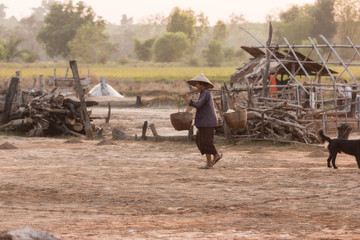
(79, 90)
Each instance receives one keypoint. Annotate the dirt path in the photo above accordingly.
(150, 190)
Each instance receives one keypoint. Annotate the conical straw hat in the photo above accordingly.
(200, 78)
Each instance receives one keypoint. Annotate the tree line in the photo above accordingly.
(58, 30)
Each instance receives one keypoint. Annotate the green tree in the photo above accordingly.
(324, 19)
(2, 49)
(61, 25)
(27, 29)
(11, 49)
(143, 50)
(182, 21)
(347, 15)
(220, 31)
(29, 56)
(202, 25)
(91, 44)
(229, 53)
(214, 53)
(295, 24)
(300, 22)
(187, 22)
(291, 14)
(170, 47)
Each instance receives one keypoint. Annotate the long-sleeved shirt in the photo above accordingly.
(205, 111)
(345, 92)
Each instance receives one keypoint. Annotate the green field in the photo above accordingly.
(164, 80)
(136, 72)
(117, 72)
(138, 79)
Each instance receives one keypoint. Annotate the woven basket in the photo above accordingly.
(181, 120)
(236, 119)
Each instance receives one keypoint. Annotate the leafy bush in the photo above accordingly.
(194, 61)
(143, 50)
(170, 47)
(30, 56)
(229, 53)
(214, 53)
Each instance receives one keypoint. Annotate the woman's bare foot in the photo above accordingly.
(217, 157)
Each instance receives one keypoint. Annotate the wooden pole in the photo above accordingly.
(79, 90)
(339, 58)
(19, 93)
(109, 113)
(144, 129)
(66, 72)
(41, 80)
(9, 99)
(266, 74)
(224, 108)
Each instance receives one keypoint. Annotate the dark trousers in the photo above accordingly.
(205, 140)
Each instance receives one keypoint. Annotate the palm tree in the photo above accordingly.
(11, 50)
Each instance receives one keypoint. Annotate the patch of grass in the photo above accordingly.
(8, 132)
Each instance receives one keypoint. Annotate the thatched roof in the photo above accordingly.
(256, 64)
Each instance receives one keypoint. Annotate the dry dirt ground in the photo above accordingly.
(126, 189)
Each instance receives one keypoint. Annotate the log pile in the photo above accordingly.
(280, 123)
(48, 114)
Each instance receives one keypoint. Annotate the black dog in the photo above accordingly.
(337, 145)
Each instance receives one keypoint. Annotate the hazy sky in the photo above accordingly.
(112, 10)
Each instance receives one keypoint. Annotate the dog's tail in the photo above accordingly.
(323, 137)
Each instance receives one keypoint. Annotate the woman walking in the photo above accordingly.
(205, 119)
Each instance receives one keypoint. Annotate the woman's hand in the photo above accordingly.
(185, 97)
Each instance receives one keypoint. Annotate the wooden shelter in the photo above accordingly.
(291, 91)
(252, 71)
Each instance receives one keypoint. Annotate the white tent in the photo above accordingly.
(97, 92)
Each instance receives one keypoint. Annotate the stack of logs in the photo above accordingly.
(48, 114)
(280, 123)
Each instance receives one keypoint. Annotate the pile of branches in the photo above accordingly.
(48, 114)
(280, 123)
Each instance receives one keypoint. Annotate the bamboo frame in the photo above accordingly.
(315, 82)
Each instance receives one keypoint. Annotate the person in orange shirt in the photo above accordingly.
(272, 90)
